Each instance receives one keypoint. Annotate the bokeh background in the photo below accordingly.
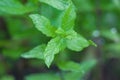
(97, 20)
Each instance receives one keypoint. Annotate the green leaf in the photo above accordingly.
(72, 76)
(111, 34)
(117, 3)
(68, 17)
(12, 53)
(43, 25)
(20, 29)
(113, 47)
(36, 52)
(2, 68)
(69, 66)
(44, 76)
(86, 65)
(58, 4)
(76, 42)
(7, 77)
(53, 47)
(78, 69)
(81, 7)
(14, 7)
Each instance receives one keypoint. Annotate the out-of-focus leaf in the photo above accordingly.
(112, 50)
(20, 29)
(72, 76)
(2, 68)
(53, 14)
(14, 7)
(117, 3)
(7, 78)
(83, 5)
(72, 66)
(115, 47)
(111, 34)
(36, 52)
(13, 53)
(53, 47)
(45, 76)
(77, 67)
(78, 70)
(58, 4)
(43, 24)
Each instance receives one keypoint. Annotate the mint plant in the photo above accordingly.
(14, 7)
(55, 29)
(63, 35)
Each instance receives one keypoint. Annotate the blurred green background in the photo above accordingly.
(97, 20)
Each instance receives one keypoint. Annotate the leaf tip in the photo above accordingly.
(47, 64)
(92, 43)
(25, 55)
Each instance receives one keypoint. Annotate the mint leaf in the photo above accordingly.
(43, 25)
(77, 67)
(68, 17)
(7, 77)
(86, 65)
(58, 4)
(14, 7)
(53, 47)
(72, 76)
(92, 43)
(108, 33)
(78, 70)
(76, 42)
(69, 66)
(43, 76)
(36, 52)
